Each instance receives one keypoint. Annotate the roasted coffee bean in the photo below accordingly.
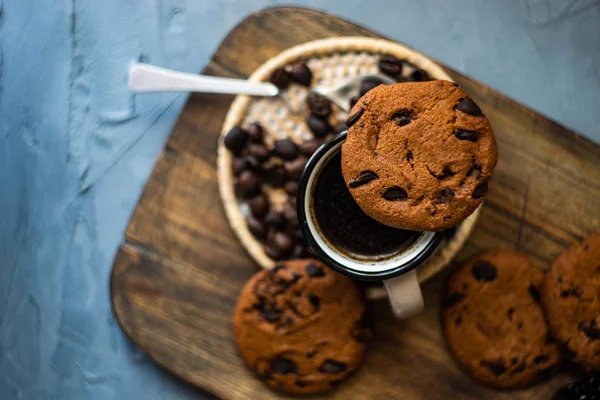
(391, 66)
(290, 214)
(480, 191)
(352, 119)
(236, 139)
(318, 126)
(272, 252)
(259, 151)
(283, 242)
(256, 227)
(259, 205)
(276, 176)
(483, 271)
(466, 135)
(282, 365)
(295, 168)
(309, 251)
(280, 78)
(292, 200)
(239, 165)
(237, 190)
(468, 106)
(286, 149)
(353, 101)
(275, 219)
(255, 132)
(318, 105)
(291, 188)
(300, 73)
(368, 84)
(249, 184)
(395, 194)
(297, 252)
(314, 271)
(253, 164)
(364, 178)
(297, 234)
(308, 147)
(418, 75)
(333, 367)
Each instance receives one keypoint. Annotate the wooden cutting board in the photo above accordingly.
(179, 270)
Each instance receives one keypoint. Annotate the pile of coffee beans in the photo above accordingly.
(257, 167)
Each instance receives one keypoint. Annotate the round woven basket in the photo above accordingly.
(332, 61)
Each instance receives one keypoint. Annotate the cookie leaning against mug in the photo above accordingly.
(493, 321)
(301, 327)
(418, 155)
(571, 299)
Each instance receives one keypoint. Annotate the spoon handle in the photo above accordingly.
(148, 78)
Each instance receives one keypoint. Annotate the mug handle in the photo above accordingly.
(405, 295)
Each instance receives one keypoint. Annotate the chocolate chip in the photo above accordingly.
(318, 105)
(514, 360)
(259, 205)
(283, 242)
(236, 139)
(297, 252)
(458, 320)
(535, 293)
(295, 168)
(590, 329)
(280, 78)
(364, 178)
(291, 188)
(402, 117)
(314, 271)
(282, 365)
(259, 151)
(519, 369)
(391, 66)
(249, 184)
(286, 149)
(362, 337)
(255, 132)
(586, 247)
(541, 359)
(256, 227)
(301, 383)
(368, 84)
(570, 292)
(300, 73)
(452, 299)
(272, 252)
(480, 191)
(353, 101)
(354, 117)
(455, 84)
(311, 354)
(483, 271)
(315, 301)
(271, 316)
(332, 367)
(468, 106)
(496, 368)
(510, 313)
(308, 147)
(275, 219)
(466, 135)
(445, 195)
(395, 194)
(409, 156)
(319, 127)
(475, 170)
(276, 176)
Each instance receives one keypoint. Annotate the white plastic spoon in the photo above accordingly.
(149, 78)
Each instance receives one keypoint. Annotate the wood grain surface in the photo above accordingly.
(178, 273)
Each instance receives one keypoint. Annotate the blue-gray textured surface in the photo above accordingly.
(77, 147)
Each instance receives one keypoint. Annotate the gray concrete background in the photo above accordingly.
(76, 148)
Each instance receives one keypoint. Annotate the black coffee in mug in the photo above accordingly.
(346, 226)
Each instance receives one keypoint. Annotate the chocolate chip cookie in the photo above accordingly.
(493, 321)
(301, 327)
(418, 155)
(571, 299)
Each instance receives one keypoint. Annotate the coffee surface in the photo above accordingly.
(346, 225)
